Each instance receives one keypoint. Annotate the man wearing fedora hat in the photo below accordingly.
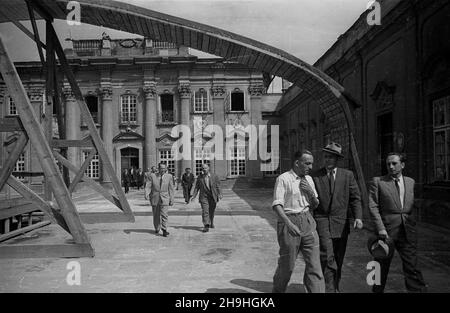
(391, 203)
(339, 199)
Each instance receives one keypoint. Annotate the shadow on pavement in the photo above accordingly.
(258, 197)
(141, 231)
(197, 228)
(258, 286)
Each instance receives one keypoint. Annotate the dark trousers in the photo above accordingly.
(208, 209)
(291, 246)
(127, 187)
(332, 253)
(187, 192)
(406, 245)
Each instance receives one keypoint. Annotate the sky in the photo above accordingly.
(303, 28)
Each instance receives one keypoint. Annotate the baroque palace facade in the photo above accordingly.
(137, 90)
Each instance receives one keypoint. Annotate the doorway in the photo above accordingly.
(129, 158)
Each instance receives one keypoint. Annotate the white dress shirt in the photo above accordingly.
(334, 173)
(401, 184)
(287, 193)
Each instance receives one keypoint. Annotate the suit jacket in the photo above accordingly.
(187, 180)
(160, 191)
(213, 192)
(335, 210)
(126, 178)
(385, 206)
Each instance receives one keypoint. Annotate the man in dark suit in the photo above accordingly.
(126, 180)
(160, 191)
(339, 197)
(187, 181)
(208, 185)
(391, 203)
(140, 178)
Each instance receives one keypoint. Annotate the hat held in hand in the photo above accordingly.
(334, 148)
(380, 248)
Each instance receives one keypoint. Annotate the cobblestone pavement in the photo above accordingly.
(239, 255)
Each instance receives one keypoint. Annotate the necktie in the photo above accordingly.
(160, 181)
(331, 181)
(397, 185)
(207, 181)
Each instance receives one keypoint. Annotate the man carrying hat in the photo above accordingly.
(391, 203)
(339, 198)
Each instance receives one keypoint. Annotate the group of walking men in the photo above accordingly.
(314, 213)
(160, 190)
(132, 178)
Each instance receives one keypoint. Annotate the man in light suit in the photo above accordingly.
(339, 198)
(391, 203)
(160, 191)
(208, 185)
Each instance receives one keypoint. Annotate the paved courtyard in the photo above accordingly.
(239, 255)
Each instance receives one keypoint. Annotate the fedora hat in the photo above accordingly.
(334, 148)
(380, 248)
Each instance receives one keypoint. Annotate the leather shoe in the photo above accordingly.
(205, 229)
(156, 232)
(212, 226)
(165, 233)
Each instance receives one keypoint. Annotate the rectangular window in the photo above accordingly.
(20, 166)
(237, 101)
(12, 109)
(92, 103)
(201, 101)
(441, 127)
(236, 161)
(93, 170)
(201, 156)
(166, 157)
(167, 112)
(128, 108)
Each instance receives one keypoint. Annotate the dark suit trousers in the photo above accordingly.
(407, 248)
(187, 192)
(332, 253)
(208, 209)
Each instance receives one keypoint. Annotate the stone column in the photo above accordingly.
(255, 90)
(72, 126)
(36, 96)
(184, 89)
(150, 125)
(107, 126)
(218, 92)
